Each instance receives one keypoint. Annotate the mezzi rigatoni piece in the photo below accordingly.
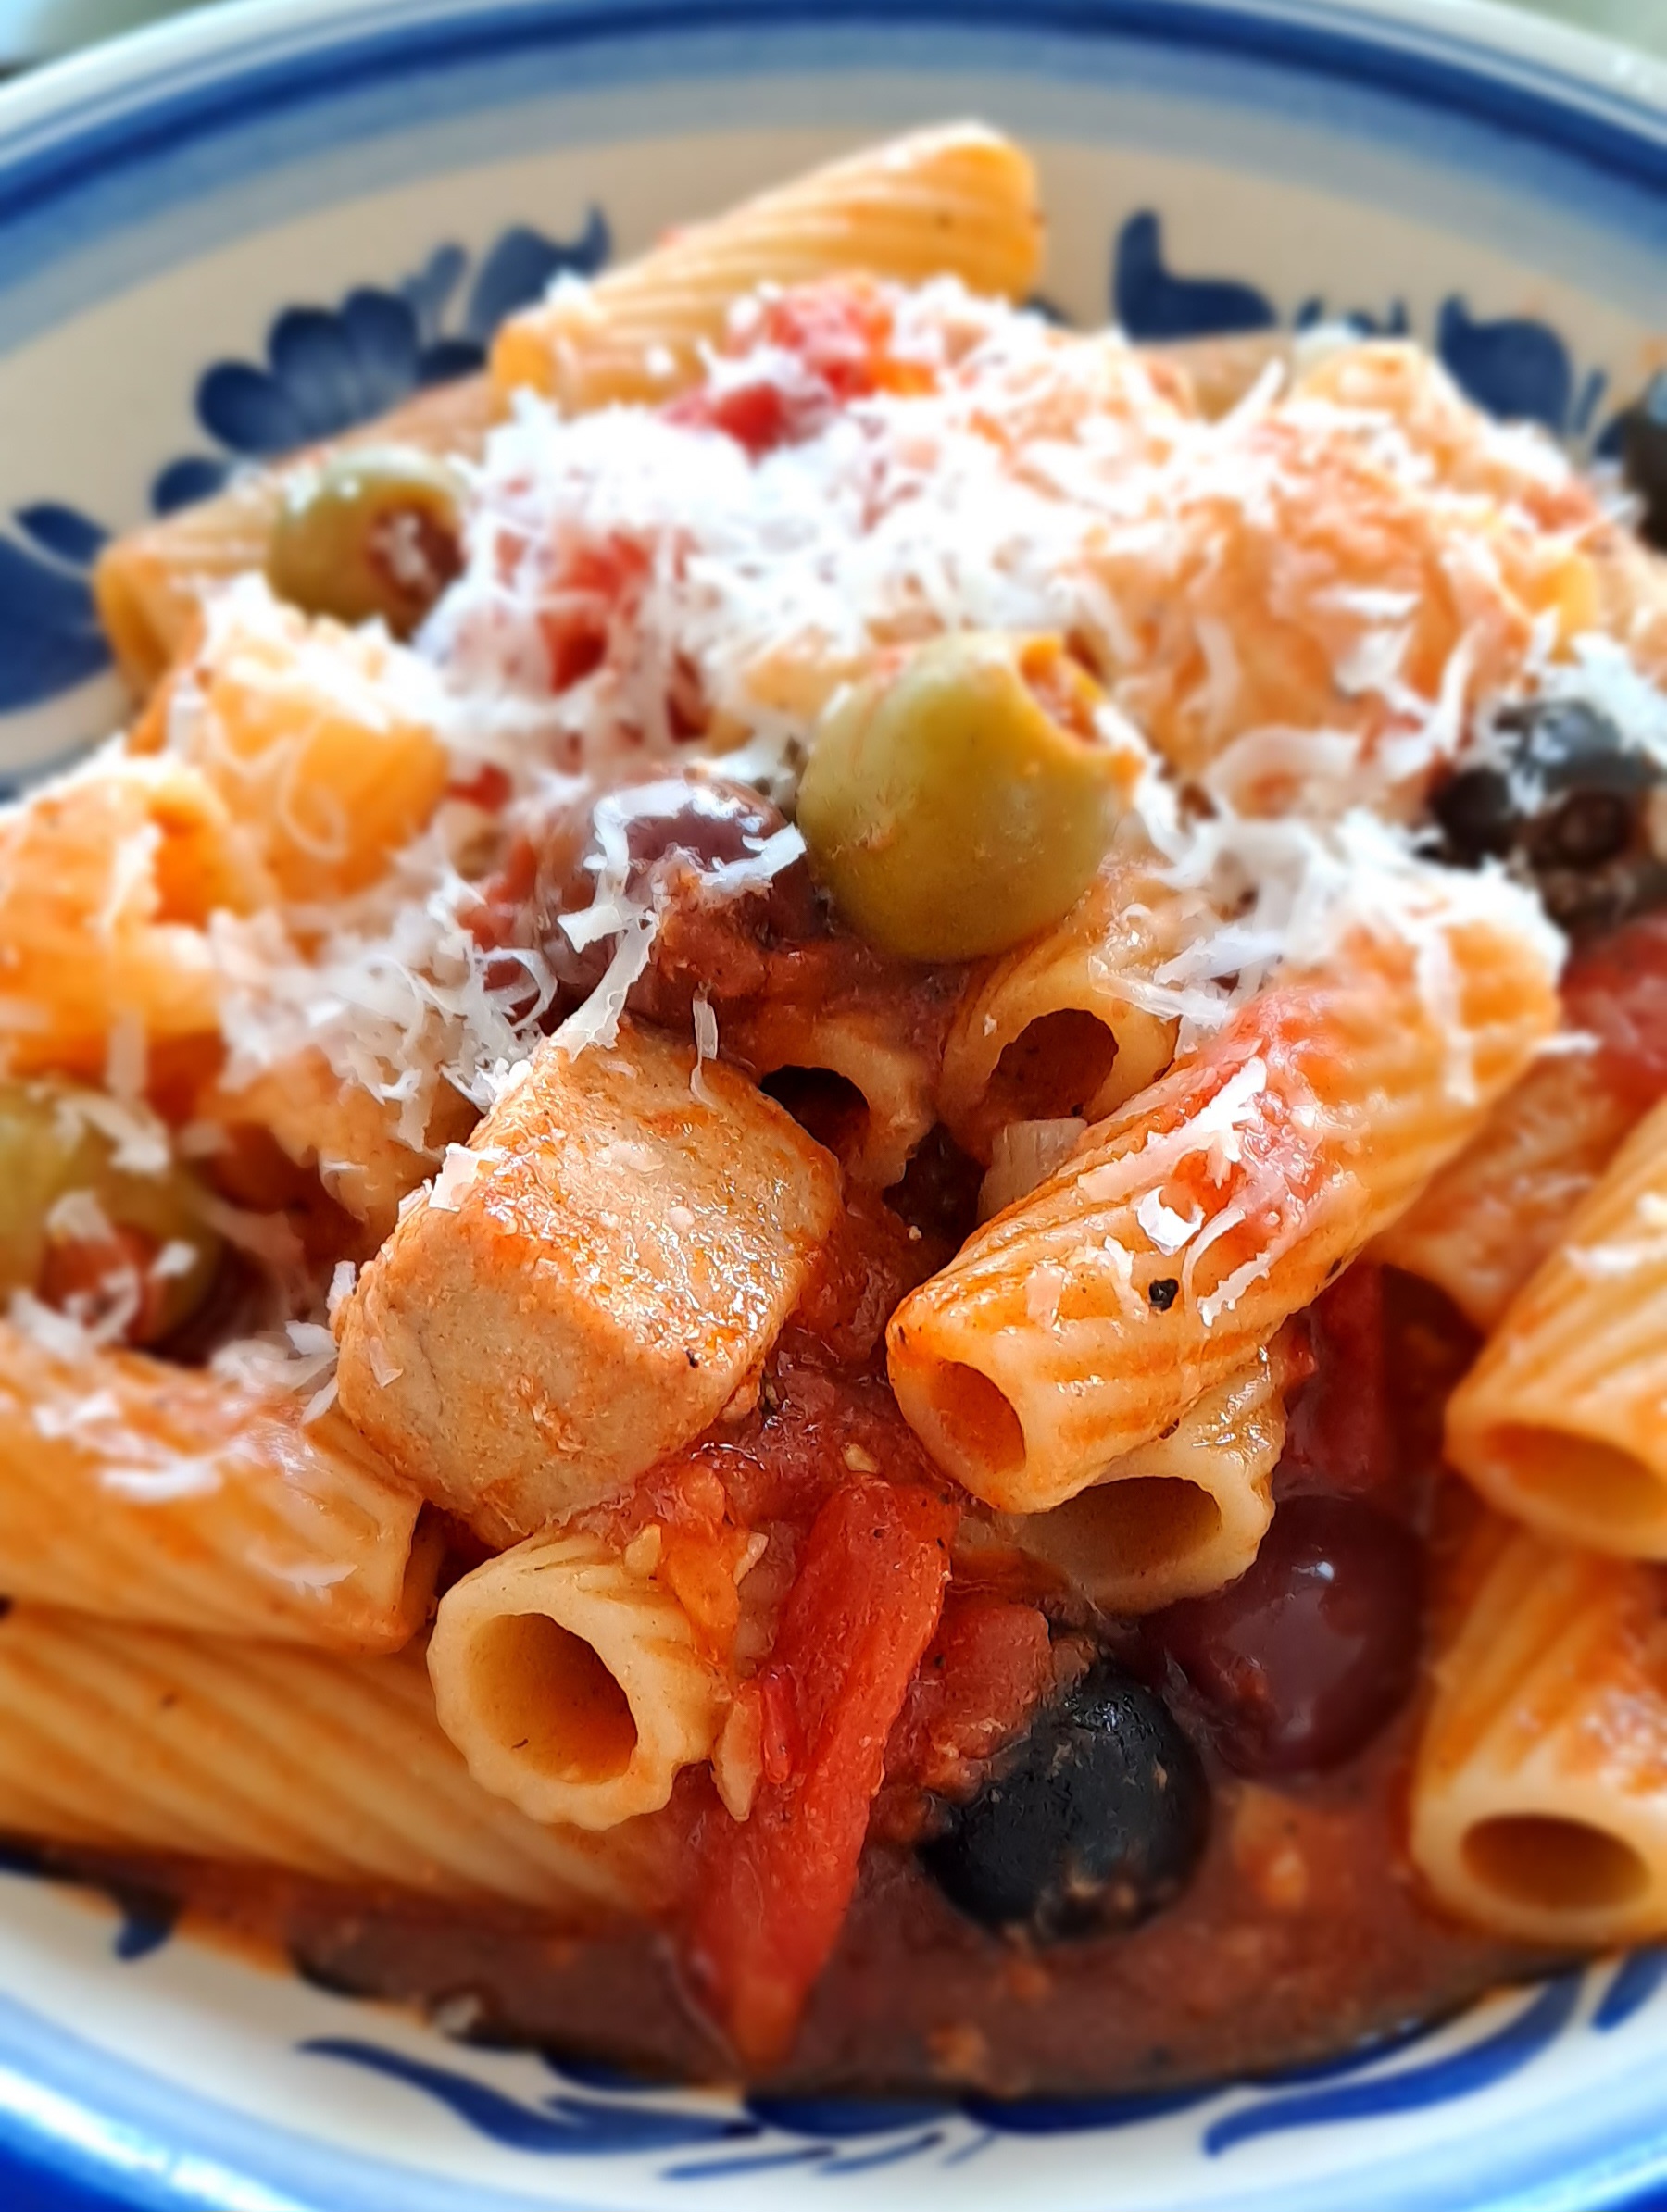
(1183, 1514)
(148, 1492)
(1072, 1023)
(959, 201)
(1538, 1804)
(132, 1739)
(1183, 1231)
(878, 1104)
(150, 584)
(1489, 1219)
(571, 1684)
(1563, 1421)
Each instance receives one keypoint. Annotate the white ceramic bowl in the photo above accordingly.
(268, 221)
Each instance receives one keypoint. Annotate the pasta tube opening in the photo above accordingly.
(1537, 1805)
(547, 1697)
(1559, 1423)
(1597, 1491)
(1181, 1517)
(1055, 1068)
(828, 1105)
(858, 1078)
(974, 1420)
(573, 1686)
(1122, 1531)
(1548, 1864)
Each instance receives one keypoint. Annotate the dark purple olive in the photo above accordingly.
(1304, 1658)
(1097, 1819)
(1564, 795)
(1644, 456)
(712, 827)
(683, 839)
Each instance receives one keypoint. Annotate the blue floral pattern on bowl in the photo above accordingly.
(596, 2111)
(330, 369)
(326, 370)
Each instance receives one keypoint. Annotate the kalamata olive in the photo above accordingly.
(1096, 1821)
(1644, 453)
(1305, 1658)
(86, 1234)
(689, 845)
(374, 529)
(1566, 795)
(960, 798)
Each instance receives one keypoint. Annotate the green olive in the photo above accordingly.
(373, 530)
(961, 798)
(52, 1160)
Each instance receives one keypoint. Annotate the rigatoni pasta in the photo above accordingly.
(134, 1739)
(140, 1491)
(1076, 1023)
(1561, 1421)
(1240, 1183)
(1488, 1219)
(1539, 1798)
(1180, 1516)
(574, 1684)
(960, 200)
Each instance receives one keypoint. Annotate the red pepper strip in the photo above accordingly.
(774, 1889)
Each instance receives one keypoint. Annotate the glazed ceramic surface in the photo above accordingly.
(269, 222)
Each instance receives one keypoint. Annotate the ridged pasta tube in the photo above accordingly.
(131, 1739)
(877, 1050)
(1539, 1797)
(150, 584)
(959, 201)
(148, 1492)
(1080, 1323)
(1179, 1517)
(571, 1685)
(1563, 1421)
(1489, 1219)
(1073, 1023)
(107, 878)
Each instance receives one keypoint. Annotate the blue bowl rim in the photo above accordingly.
(118, 104)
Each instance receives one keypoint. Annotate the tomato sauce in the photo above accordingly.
(1302, 1932)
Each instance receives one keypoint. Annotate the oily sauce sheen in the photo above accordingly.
(1301, 1931)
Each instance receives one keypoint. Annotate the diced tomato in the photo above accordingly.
(989, 1665)
(774, 1889)
(592, 584)
(755, 415)
(1341, 1434)
(577, 644)
(1617, 990)
(839, 332)
(488, 788)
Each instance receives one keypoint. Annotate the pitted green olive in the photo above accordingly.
(74, 1226)
(960, 799)
(374, 529)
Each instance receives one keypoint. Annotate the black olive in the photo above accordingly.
(1096, 1820)
(1644, 455)
(1566, 798)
